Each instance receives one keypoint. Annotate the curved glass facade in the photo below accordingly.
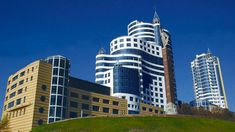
(126, 80)
(59, 83)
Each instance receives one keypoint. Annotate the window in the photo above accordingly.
(135, 45)
(131, 98)
(123, 97)
(22, 73)
(160, 89)
(161, 95)
(105, 101)
(24, 100)
(20, 91)
(6, 98)
(21, 82)
(85, 97)
(14, 78)
(12, 94)
(74, 95)
(144, 108)
(32, 69)
(41, 110)
(121, 40)
(44, 87)
(160, 84)
(31, 79)
(60, 90)
(156, 111)
(14, 86)
(18, 101)
(161, 100)
(73, 104)
(115, 103)
(42, 98)
(40, 122)
(96, 99)
(73, 114)
(61, 72)
(115, 111)
(128, 44)
(54, 80)
(135, 40)
(85, 106)
(128, 39)
(95, 108)
(11, 104)
(150, 110)
(61, 81)
(106, 110)
(53, 89)
(121, 45)
(59, 100)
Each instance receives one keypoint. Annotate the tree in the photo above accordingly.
(4, 124)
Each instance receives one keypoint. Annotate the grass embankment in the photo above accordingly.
(139, 124)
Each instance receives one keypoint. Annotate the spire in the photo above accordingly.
(208, 51)
(101, 51)
(156, 18)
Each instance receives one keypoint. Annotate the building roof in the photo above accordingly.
(88, 86)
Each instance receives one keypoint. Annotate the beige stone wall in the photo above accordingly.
(25, 115)
(146, 109)
(121, 107)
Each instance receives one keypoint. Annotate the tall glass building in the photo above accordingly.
(208, 81)
(59, 84)
(134, 69)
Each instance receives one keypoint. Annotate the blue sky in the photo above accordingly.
(77, 29)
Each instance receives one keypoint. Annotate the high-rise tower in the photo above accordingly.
(135, 67)
(208, 81)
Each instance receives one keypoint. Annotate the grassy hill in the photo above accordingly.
(139, 124)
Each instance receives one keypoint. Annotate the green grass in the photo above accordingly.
(140, 124)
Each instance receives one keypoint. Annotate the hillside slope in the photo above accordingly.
(139, 124)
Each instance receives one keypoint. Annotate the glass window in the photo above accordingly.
(56, 62)
(22, 73)
(40, 122)
(18, 101)
(74, 95)
(41, 110)
(59, 100)
(54, 80)
(105, 101)
(55, 71)
(42, 98)
(21, 82)
(73, 104)
(61, 72)
(60, 90)
(128, 44)
(53, 100)
(150, 110)
(85, 97)
(96, 99)
(115, 111)
(44, 87)
(58, 112)
(20, 91)
(95, 108)
(115, 103)
(73, 114)
(12, 94)
(61, 81)
(85, 106)
(62, 63)
(52, 111)
(53, 90)
(144, 108)
(106, 110)
(131, 98)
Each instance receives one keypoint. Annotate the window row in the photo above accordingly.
(21, 74)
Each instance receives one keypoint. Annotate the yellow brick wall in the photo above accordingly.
(24, 116)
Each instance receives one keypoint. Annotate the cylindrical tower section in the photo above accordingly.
(126, 85)
(142, 30)
(59, 84)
